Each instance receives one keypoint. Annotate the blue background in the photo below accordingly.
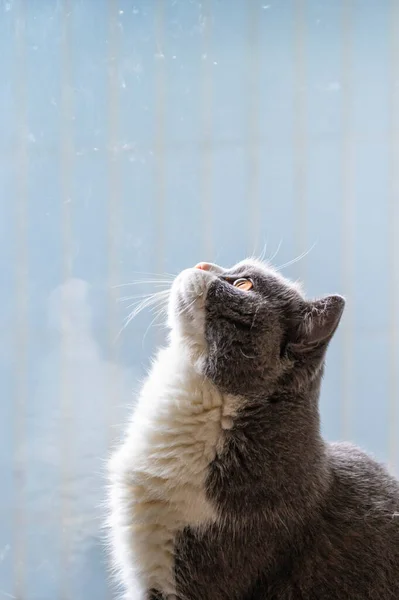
(144, 136)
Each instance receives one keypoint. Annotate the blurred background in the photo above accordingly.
(139, 137)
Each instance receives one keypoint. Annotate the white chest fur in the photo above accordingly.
(158, 475)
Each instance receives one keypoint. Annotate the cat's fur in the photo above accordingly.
(223, 488)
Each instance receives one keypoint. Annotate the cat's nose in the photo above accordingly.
(204, 266)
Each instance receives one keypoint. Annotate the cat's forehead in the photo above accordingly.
(263, 271)
(251, 266)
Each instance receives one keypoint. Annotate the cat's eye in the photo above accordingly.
(243, 284)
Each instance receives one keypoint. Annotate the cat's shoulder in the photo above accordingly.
(344, 454)
(360, 476)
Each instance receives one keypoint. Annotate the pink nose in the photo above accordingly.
(203, 266)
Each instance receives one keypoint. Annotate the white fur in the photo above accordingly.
(158, 474)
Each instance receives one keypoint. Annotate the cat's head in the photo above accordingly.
(249, 329)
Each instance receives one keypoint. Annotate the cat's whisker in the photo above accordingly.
(138, 296)
(297, 259)
(258, 257)
(147, 302)
(144, 282)
(252, 253)
(151, 301)
(263, 253)
(271, 258)
(172, 275)
(157, 315)
(147, 297)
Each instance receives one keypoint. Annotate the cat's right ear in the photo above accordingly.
(318, 323)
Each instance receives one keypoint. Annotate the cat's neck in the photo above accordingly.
(281, 463)
(178, 384)
(272, 449)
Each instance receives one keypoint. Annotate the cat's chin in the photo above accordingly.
(186, 312)
(187, 302)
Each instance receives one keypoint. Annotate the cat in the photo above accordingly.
(223, 488)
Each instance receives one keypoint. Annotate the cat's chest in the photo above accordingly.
(171, 447)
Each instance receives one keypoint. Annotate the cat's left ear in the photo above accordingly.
(319, 321)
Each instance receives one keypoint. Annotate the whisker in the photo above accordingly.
(271, 258)
(146, 302)
(298, 258)
(252, 253)
(154, 274)
(263, 253)
(150, 301)
(258, 257)
(158, 314)
(138, 297)
(144, 281)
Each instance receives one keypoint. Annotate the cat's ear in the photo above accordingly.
(319, 320)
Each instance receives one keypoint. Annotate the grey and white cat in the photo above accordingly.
(223, 488)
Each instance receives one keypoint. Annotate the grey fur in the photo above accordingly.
(301, 519)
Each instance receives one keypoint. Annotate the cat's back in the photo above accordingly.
(361, 488)
(353, 548)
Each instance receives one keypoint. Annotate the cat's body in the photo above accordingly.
(223, 488)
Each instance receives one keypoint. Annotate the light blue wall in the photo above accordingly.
(146, 136)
